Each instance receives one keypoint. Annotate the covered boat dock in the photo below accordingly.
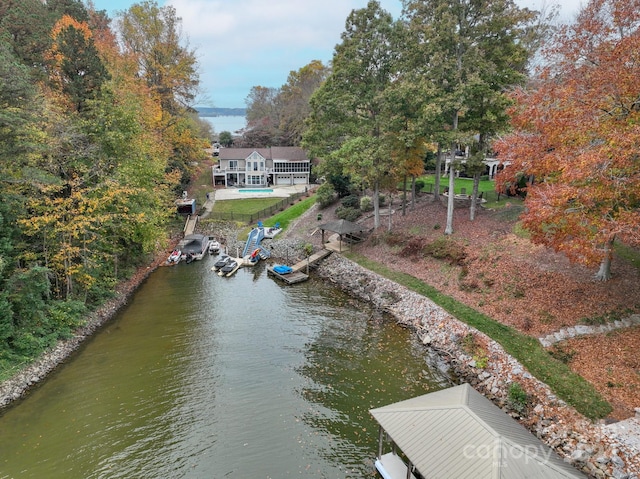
(457, 432)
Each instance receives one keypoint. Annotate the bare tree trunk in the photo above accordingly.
(449, 229)
(389, 215)
(474, 195)
(413, 192)
(404, 196)
(376, 206)
(604, 273)
(436, 186)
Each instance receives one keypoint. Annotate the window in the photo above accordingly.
(233, 164)
(291, 167)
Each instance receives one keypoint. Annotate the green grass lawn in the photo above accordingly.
(460, 184)
(486, 187)
(294, 211)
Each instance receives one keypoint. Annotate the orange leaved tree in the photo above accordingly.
(577, 132)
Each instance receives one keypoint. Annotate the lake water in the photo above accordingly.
(207, 377)
(226, 123)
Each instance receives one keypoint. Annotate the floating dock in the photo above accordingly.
(289, 278)
(296, 275)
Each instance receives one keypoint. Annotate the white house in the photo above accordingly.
(260, 167)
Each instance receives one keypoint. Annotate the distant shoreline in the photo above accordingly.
(213, 112)
(214, 116)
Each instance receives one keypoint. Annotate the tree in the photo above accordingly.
(225, 138)
(576, 132)
(263, 117)
(75, 66)
(18, 112)
(470, 51)
(152, 35)
(24, 26)
(293, 100)
(347, 125)
(405, 131)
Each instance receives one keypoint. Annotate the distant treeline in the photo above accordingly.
(207, 111)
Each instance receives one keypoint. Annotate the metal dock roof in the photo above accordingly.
(457, 432)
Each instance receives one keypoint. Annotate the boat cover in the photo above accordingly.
(282, 269)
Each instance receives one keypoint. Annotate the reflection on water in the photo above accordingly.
(202, 376)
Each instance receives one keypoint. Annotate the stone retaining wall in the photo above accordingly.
(572, 436)
(585, 330)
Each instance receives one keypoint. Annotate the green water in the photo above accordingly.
(209, 377)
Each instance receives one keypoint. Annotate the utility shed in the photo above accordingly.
(458, 433)
(186, 206)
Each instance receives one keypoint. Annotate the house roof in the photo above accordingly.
(457, 432)
(288, 153)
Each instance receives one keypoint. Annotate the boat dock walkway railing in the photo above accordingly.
(311, 260)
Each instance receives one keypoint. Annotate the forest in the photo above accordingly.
(97, 138)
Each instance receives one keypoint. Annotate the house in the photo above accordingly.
(259, 167)
(491, 163)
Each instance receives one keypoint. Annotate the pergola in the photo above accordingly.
(341, 227)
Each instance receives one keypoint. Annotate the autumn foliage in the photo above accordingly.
(577, 131)
(91, 159)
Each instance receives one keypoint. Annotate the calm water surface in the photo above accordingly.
(208, 377)
(231, 124)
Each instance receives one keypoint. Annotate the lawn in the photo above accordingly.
(461, 185)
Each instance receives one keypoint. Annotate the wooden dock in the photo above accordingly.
(190, 225)
(297, 276)
(289, 278)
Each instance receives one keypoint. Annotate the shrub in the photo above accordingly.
(325, 195)
(349, 214)
(413, 246)
(351, 201)
(389, 238)
(446, 249)
(420, 184)
(366, 204)
(517, 398)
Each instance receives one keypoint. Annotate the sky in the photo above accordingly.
(245, 43)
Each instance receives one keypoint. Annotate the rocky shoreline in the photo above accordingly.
(591, 448)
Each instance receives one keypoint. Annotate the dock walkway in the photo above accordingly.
(190, 224)
(296, 275)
